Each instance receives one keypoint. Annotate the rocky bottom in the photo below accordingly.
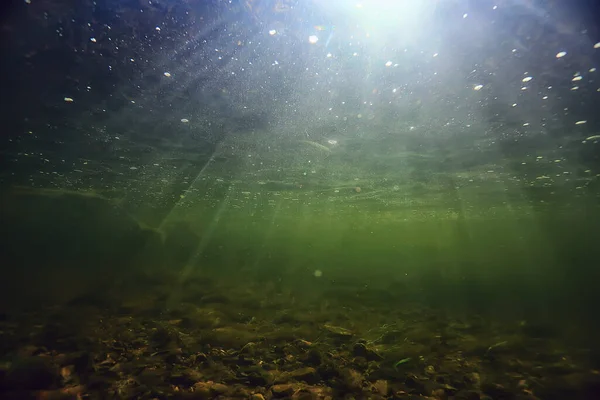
(215, 339)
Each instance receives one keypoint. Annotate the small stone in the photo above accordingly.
(249, 349)
(282, 390)
(303, 344)
(202, 389)
(381, 387)
(360, 350)
(337, 331)
(209, 389)
(257, 396)
(474, 379)
(308, 375)
(313, 357)
(352, 379)
(303, 394)
(256, 376)
(219, 388)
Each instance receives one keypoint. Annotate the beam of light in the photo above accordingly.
(397, 14)
(192, 264)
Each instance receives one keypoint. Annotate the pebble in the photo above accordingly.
(382, 387)
(285, 389)
(360, 350)
(307, 374)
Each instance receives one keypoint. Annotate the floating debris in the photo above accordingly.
(403, 361)
(317, 145)
(494, 346)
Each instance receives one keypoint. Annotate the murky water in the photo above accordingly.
(264, 200)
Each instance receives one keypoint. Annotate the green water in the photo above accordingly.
(534, 263)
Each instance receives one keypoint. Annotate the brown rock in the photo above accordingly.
(282, 390)
(304, 394)
(209, 389)
(201, 391)
(337, 330)
(360, 350)
(381, 387)
(352, 379)
(313, 393)
(308, 375)
(257, 396)
(219, 388)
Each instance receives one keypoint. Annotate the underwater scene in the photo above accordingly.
(300, 199)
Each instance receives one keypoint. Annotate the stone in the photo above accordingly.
(429, 370)
(219, 388)
(381, 387)
(210, 389)
(337, 331)
(352, 379)
(307, 374)
(313, 357)
(282, 390)
(256, 376)
(361, 350)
